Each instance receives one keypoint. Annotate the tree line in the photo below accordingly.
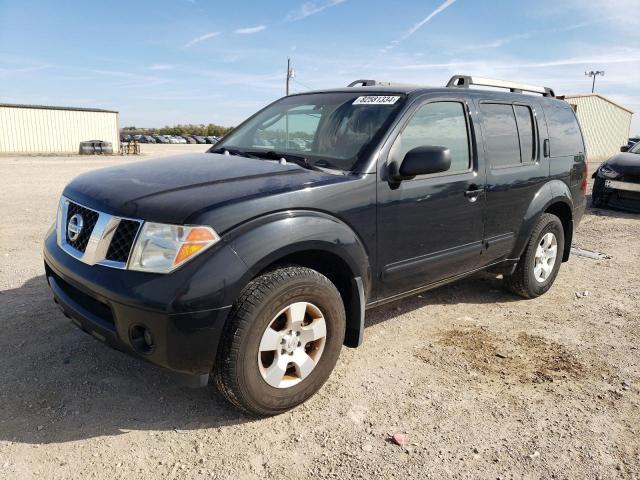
(203, 130)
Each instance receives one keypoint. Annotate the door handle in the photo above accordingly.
(473, 193)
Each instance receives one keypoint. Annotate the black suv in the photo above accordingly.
(256, 261)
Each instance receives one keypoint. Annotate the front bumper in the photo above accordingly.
(617, 194)
(184, 318)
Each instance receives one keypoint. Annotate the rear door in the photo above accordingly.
(515, 170)
(430, 227)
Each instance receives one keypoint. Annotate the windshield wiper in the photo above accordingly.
(234, 151)
(297, 159)
(273, 155)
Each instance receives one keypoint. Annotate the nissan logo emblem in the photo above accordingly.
(74, 227)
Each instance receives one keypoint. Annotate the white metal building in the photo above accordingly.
(37, 129)
(605, 124)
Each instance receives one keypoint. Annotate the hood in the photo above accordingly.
(625, 163)
(175, 189)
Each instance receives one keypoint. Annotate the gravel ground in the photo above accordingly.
(485, 385)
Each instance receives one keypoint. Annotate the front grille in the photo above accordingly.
(630, 178)
(122, 241)
(89, 219)
(112, 237)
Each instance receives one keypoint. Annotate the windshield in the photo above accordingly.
(635, 148)
(328, 130)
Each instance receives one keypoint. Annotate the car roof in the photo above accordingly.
(415, 90)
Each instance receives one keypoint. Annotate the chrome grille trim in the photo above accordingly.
(96, 251)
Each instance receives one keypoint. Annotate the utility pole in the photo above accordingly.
(594, 74)
(289, 74)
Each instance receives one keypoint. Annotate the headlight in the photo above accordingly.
(162, 248)
(607, 172)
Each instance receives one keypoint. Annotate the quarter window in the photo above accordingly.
(564, 133)
(441, 124)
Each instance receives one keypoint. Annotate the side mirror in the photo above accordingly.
(421, 161)
(624, 148)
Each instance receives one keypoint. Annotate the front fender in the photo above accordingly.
(263, 241)
(551, 193)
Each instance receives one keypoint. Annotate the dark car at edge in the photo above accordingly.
(254, 263)
(617, 181)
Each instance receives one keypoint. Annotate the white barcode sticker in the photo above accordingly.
(376, 100)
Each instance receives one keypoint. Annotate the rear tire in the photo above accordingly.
(534, 273)
(261, 367)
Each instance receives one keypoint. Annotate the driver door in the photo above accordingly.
(430, 228)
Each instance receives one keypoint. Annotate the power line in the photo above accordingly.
(303, 85)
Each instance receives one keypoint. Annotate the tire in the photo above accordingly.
(524, 281)
(242, 370)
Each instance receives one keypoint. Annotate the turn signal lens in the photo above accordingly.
(197, 239)
(162, 248)
(201, 234)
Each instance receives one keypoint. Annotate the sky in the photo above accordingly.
(204, 61)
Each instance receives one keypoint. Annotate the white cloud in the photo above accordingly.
(250, 30)
(311, 8)
(443, 6)
(201, 38)
(6, 71)
(162, 66)
(130, 80)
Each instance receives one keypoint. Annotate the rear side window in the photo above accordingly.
(510, 134)
(526, 132)
(501, 132)
(564, 133)
(438, 123)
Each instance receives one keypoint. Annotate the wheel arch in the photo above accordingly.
(553, 197)
(309, 239)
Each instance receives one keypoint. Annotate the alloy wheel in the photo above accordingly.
(292, 345)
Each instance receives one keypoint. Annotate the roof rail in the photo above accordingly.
(363, 83)
(464, 81)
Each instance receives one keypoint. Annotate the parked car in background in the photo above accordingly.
(199, 139)
(211, 139)
(150, 139)
(161, 139)
(179, 139)
(125, 138)
(617, 181)
(189, 139)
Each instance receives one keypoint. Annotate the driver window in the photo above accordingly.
(438, 124)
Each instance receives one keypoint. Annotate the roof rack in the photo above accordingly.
(464, 81)
(363, 83)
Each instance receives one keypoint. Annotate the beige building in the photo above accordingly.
(605, 124)
(37, 129)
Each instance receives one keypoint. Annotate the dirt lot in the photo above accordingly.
(486, 385)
